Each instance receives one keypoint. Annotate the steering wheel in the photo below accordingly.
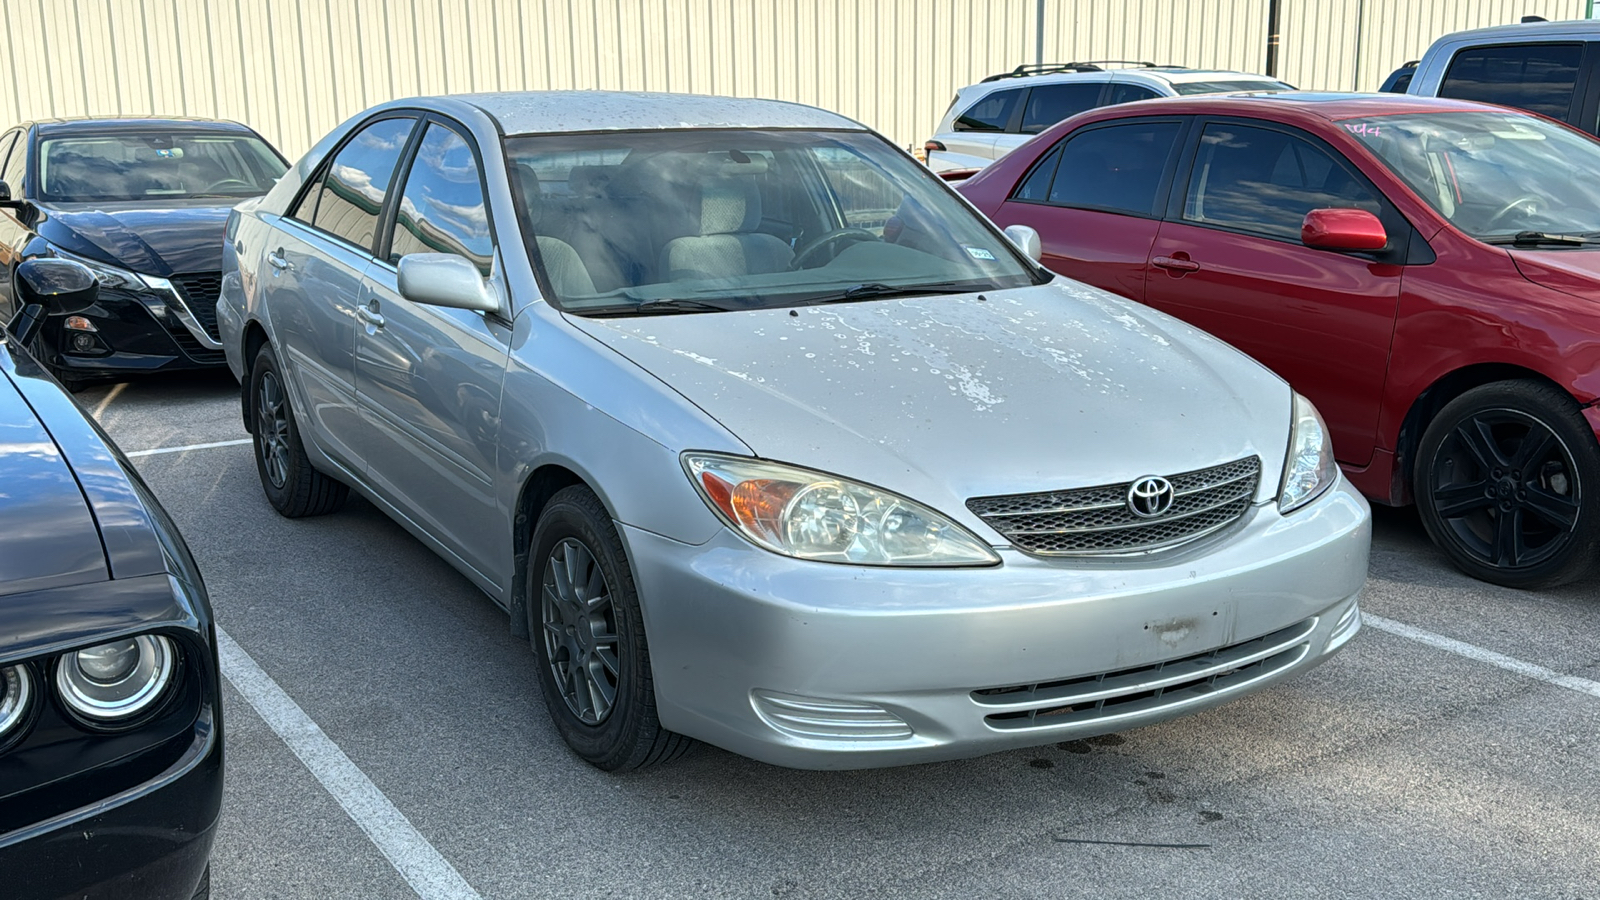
(1532, 203)
(814, 248)
(228, 182)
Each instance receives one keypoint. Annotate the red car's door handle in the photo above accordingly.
(1176, 264)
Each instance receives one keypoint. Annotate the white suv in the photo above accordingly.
(989, 119)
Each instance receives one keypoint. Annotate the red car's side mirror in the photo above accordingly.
(1343, 229)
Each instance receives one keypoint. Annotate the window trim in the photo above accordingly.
(1160, 204)
(1012, 118)
(15, 134)
(1580, 81)
(24, 144)
(1400, 230)
(318, 174)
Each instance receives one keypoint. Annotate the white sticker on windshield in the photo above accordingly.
(978, 253)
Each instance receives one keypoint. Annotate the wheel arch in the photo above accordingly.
(541, 484)
(1433, 398)
(255, 337)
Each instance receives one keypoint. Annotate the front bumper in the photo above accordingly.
(129, 338)
(150, 841)
(814, 665)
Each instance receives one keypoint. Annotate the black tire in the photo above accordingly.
(292, 486)
(614, 733)
(202, 891)
(1507, 482)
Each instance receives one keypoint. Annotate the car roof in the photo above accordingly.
(1293, 105)
(1523, 30)
(1169, 74)
(544, 112)
(100, 124)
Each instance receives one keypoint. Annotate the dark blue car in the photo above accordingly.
(142, 203)
(110, 720)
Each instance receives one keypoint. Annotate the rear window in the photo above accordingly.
(1537, 77)
(991, 113)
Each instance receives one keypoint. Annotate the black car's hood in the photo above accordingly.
(48, 537)
(153, 238)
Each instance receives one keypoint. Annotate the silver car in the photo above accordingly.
(765, 438)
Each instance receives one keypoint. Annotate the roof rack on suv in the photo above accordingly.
(1092, 65)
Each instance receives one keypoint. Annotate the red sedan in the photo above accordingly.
(1425, 271)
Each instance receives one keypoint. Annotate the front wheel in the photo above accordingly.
(1508, 484)
(588, 637)
(292, 486)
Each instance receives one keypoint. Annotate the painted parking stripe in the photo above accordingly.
(1473, 651)
(417, 861)
(158, 450)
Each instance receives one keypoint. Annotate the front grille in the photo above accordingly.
(200, 293)
(1130, 692)
(190, 346)
(1097, 521)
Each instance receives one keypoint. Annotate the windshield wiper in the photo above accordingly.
(1537, 238)
(659, 305)
(876, 289)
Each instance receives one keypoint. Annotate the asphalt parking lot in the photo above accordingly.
(1408, 766)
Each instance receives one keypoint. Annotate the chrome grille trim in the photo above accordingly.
(1129, 692)
(1095, 521)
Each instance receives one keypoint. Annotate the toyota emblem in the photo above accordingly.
(1150, 496)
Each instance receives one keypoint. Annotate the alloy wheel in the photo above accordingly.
(272, 428)
(1505, 487)
(580, 633)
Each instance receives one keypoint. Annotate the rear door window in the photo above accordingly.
(1265, 181)
(1540, 78)
(1116, 168)
(351, 192)
(442, 209)
(1050, 103)
(1127, 93)
(992, 113)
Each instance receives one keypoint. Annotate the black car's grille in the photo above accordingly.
(1097, 520)
(200, 293)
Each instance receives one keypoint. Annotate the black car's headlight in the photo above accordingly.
(116, 681)
(16, 692)
(108, 275)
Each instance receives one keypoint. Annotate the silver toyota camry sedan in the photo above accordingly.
(763, 437)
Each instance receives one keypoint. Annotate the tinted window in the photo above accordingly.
(989, 114)
(1127, 93)
(356, 182)
(1266, 181)
(1036, 189)
(1116, 168)
(154, 166)
(16, 165)
(1050, 103)
(1536, 77)
(442, 209)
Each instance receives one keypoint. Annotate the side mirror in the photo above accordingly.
(1026, 239)
(445, 279)
(1343, 229)
(50, 287)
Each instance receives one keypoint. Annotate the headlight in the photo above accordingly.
(811, 515)
(108, 275)
(16, 689)
(116, 680)
(1310, 468)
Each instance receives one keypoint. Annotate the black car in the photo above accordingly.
(142, 203)
(110, 717)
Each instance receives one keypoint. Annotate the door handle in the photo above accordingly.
(370, 316)
(276, 260)
(1176, 264)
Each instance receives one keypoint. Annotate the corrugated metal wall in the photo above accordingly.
(294, 68)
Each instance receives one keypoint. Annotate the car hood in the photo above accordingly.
(950, 397)
(156, 239)
(1575, 272)
(48, 537)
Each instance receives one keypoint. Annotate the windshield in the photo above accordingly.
(1494, 175)
(706, 220)
(155, 166)
(1185, 88)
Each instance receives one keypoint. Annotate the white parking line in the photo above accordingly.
(417, 861)
(234, 443)
(1473, 651)
(112, 395)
